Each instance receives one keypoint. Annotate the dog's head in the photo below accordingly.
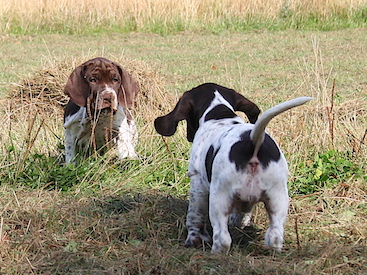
(102, 84)
(194, 103)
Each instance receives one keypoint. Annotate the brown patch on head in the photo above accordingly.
(103, 83)
(193, 104)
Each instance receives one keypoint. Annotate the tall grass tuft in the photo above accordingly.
(165, 16)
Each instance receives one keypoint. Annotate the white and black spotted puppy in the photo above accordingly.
(233, 164)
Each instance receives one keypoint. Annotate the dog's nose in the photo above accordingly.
(107, 100)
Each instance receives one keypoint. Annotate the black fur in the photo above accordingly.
(242, 151)
(210, 156)
(70, 109)
(220, 112)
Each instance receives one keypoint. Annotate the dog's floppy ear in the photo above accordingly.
(167, 125)
(77, 86)
(248, 107)
(129, 88)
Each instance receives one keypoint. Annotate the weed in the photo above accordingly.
(325, 170)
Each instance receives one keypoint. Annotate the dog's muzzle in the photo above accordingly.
(107, 99)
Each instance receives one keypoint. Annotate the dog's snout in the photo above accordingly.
(107, 99)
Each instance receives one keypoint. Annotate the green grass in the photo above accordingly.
(286, 19)
(325, 170)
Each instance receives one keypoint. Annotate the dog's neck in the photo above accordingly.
(219, 108)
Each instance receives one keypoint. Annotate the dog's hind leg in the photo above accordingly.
(277, 208)
(219, 211)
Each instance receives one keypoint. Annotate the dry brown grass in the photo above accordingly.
(324, 124)
(45, 87)
(45, 232)
(145, 12)
(149, 9)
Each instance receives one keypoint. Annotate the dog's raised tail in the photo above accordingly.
(258, 132)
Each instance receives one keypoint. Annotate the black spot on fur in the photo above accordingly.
(210, 155)
(242, 151)
(70, 109)
(219, 112)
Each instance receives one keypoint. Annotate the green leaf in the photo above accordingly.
(318, 174)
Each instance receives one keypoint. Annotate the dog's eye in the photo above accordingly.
(115, 79)
(92, 79)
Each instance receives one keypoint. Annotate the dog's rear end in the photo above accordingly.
(259, 173)
(233, 165)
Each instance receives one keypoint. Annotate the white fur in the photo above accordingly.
(216, 198)
(78, 133)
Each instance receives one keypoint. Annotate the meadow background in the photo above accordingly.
(110, 217)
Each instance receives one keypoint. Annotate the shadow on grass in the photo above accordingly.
(167, 210)
(48, 232)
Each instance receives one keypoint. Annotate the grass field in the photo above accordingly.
(164, 16)
(106, 217)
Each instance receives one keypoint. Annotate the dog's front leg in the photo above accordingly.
(70, 140)
(196, 214)
(127, 139)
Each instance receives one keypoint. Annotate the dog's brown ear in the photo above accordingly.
(129, 88)
(77, 86)
(248, 107)
(167, 125)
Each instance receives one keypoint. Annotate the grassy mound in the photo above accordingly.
(44, 88)
(39, 99)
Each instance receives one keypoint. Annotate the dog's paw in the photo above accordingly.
(192, 239)
(195, 239)
(221, 242)
(274, 239)
(240, 220)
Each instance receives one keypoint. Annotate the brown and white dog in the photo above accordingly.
(233, 165)
(98, 112)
